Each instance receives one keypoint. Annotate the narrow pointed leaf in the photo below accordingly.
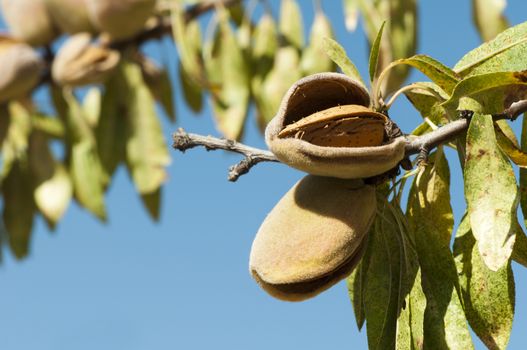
(188, 42)
(152, 203)
(337, 53)
(431, 221)
(146, 149)
(504, 53)
(291, 24)
(491, 193)
(440, 74)
(91, 106)
(519, 253)
(231, 103)
(488, 295)
(489, 18)
(191, 91)
(313, 58)
(523, 172)
(16, 130)
(374, 53)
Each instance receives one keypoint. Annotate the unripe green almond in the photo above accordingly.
(70, 16)
(120, 19)
(79, 62)
(29, 21)
(327, 91)
(20, 69)
(313, 237)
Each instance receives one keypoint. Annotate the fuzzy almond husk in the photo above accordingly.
(313, 237)
(79, 62)
(316, 93)
(120, 19)
(70, 16)
(20, 69)
(29, 21)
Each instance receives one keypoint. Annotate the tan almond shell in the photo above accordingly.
(318, 92)
(311, 239)
(20, 69)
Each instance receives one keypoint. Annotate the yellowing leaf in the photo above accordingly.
(337, 53)
(491, 193)
(313, 58)
(509, 147)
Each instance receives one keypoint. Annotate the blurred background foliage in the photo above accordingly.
(107, 95)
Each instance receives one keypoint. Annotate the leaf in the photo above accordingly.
(188, 42)
(488, 295)
(284, 73)
(191, 91)
(338, 55)
(508, 146)
(426, 98)
(491, 193)
(91, 106)
(158, 81)
(52, 186)
(231, 103)
(16, 130)
(488, 17)
(440, 74)
(523, 172)
(146, 150)
(374, 54)
(381, 289)
(504, 53)
(19, 208)
(313, 58)
(87, 175)
(493, 92)
(110, 132)
(152, 203)
(519, 252)
(431, 221)
(355, 283)
(351, 13)
(291, 25)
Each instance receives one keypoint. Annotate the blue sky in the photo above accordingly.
(183, 283)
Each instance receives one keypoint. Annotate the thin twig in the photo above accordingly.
(414, 145)
(184, 141)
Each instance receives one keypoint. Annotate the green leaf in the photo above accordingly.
(188, 42)
(291, 24)
(337, 53)
(431, 222)
(519, 252)
(191, 91)
(231, 103)
(488, 17)
(158, 81)
(87, 174)
(509, 146)
(313, 58)
(52, 186)
(355, 283)
(440, 74)
(504, 53)
(491, 193)
(493, 92)
(91, 106)
(374, 54)
(110, 132)
(146, 149)
(285, 72)
(523, 172)
(19, 208)
(382, 285)
(152, 203)
(16, 128)
(488, 295)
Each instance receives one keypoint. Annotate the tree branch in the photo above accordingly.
(415, 145)
(184, 141)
